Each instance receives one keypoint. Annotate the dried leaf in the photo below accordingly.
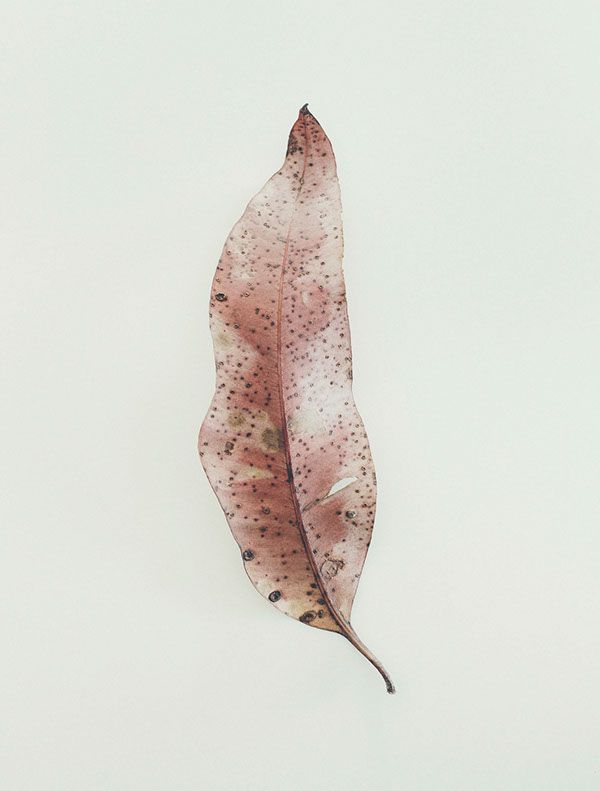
(283, 445)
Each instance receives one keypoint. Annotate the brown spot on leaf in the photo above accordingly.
(271, 438)
(236, 419)
(329, 568)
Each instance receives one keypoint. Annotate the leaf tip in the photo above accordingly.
(305, 116)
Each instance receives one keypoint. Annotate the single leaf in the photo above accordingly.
(283, 445)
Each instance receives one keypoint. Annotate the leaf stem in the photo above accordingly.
(351, 635)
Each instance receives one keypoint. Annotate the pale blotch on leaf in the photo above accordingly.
(252, 473)
(339, 485)
(223, 341)
(306, 421)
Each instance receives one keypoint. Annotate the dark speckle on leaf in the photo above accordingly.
(248, 554)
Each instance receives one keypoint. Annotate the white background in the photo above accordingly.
(135, 654)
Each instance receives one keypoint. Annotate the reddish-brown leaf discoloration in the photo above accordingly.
(282, 428)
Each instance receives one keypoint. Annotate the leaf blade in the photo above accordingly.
(283, 427)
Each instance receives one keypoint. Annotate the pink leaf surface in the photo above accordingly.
(283, 445)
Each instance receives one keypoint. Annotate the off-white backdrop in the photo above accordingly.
(136, 656)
